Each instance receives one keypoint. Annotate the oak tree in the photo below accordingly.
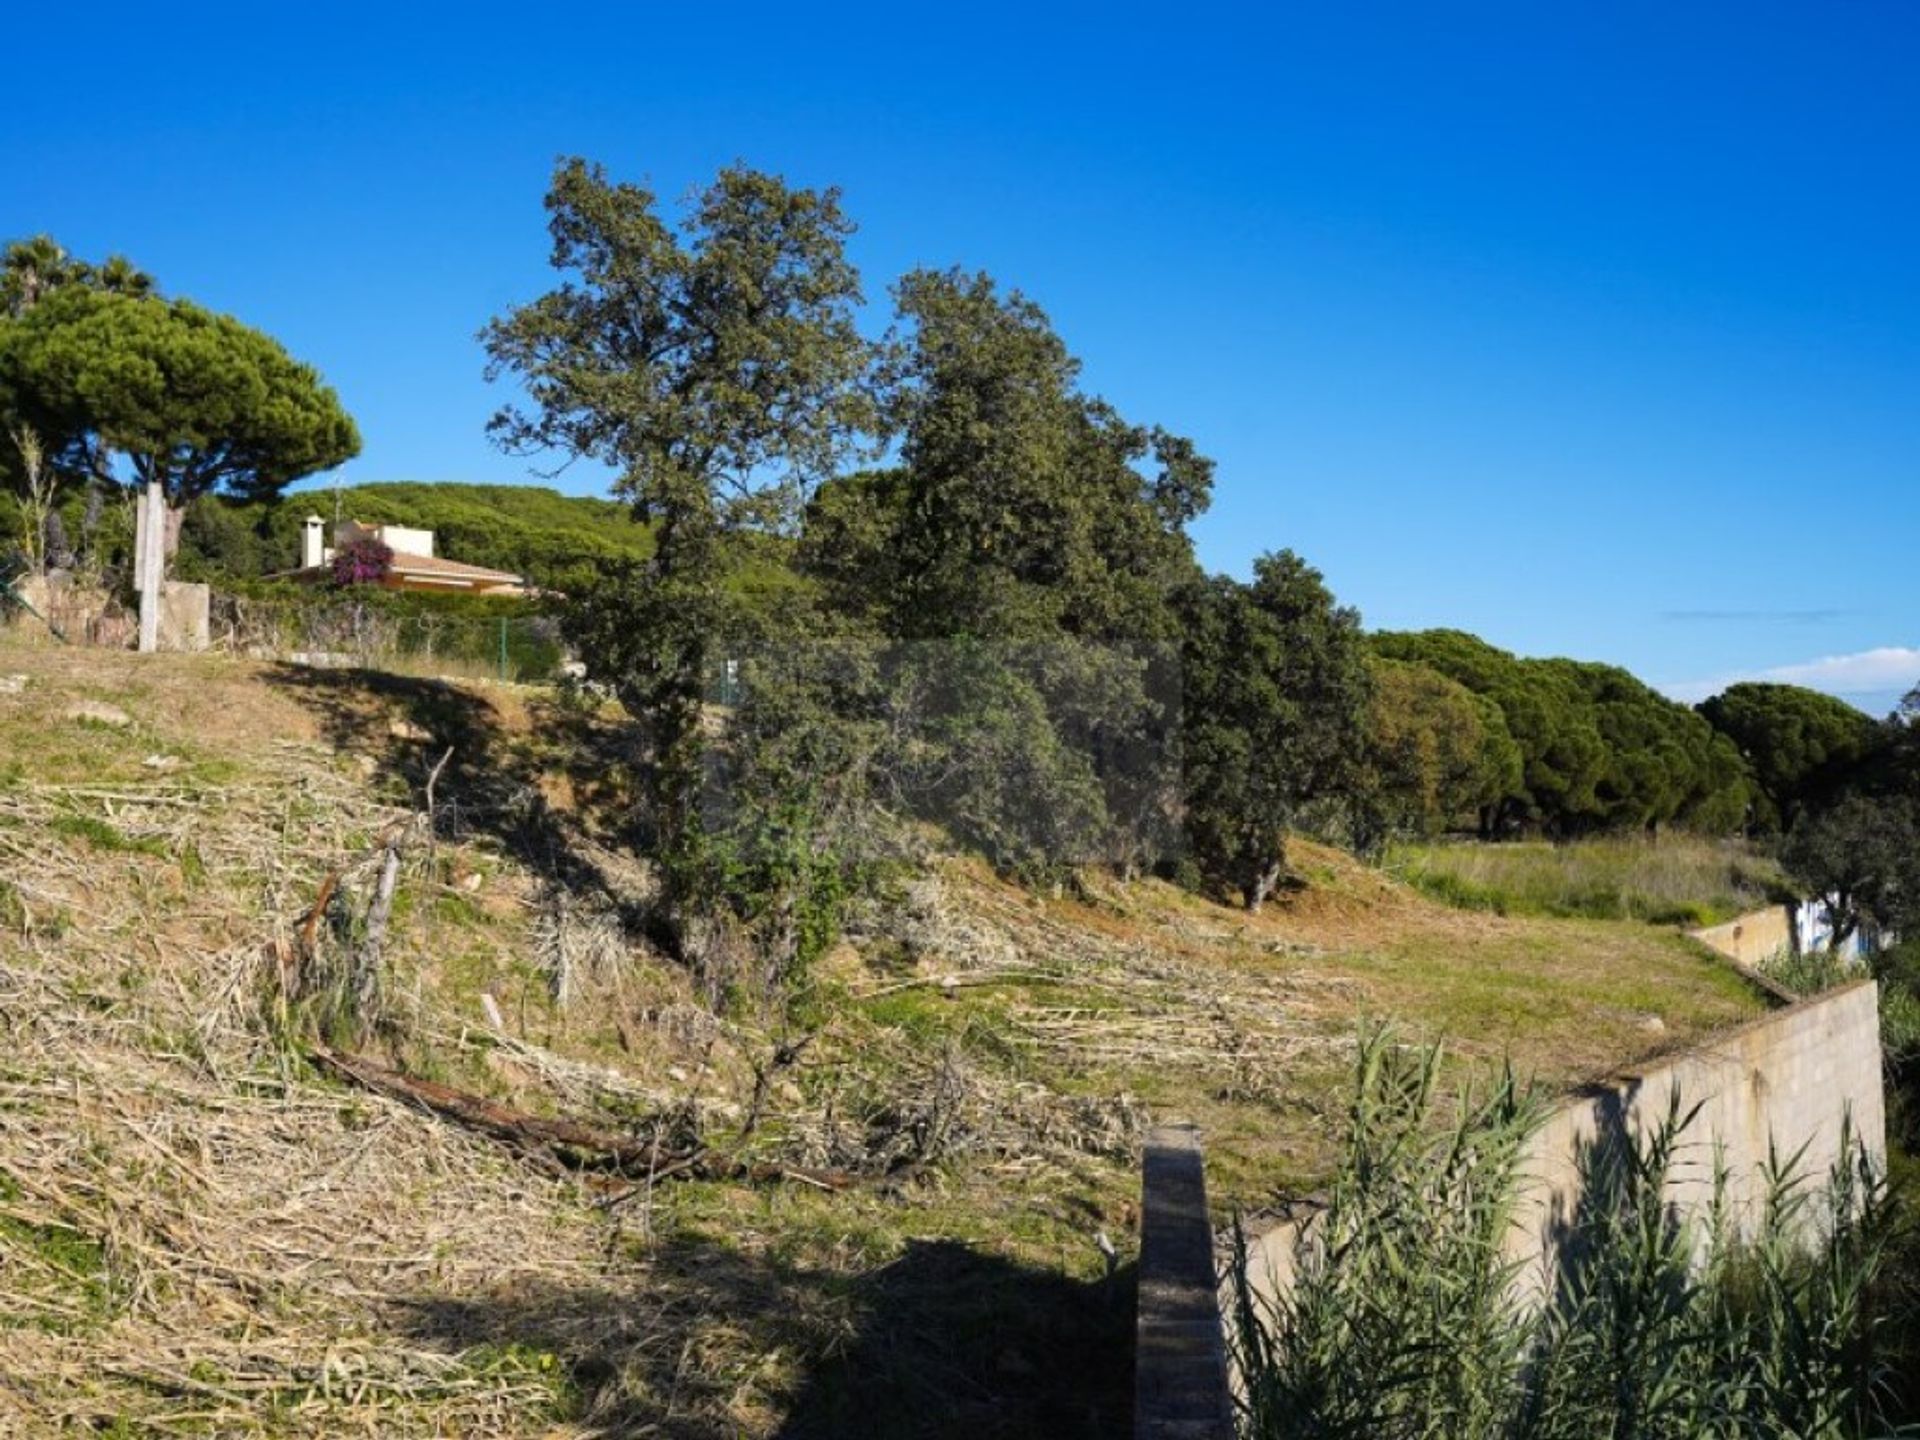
(714, 365)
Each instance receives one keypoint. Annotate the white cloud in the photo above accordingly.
(1887, 669)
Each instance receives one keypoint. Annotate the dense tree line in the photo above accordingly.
(1004, 599)
(1598, 749)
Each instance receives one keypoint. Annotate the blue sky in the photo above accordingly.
(1592, 329)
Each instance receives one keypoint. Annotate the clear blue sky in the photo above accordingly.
(1592, 329)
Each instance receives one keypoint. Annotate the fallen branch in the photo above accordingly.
(476, 1112)
(566, 1141)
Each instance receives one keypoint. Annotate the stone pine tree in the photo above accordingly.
(1803, 745)
(30, 271)
(174, 392)
(715, 366)
(1437, 756)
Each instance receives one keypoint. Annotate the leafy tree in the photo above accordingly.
(1023, 553)
(1436, 754)
(849, 543)
(1802, 745)
(718, 371)
(1026, 511)
(191, 399)
(1863, 854)
(1276, 691)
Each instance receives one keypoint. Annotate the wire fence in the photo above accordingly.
(331, 631)
(351, 633)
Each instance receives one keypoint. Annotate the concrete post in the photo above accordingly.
(1180, 1359)
(150, 559)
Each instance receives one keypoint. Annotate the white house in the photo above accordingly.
(414, 566)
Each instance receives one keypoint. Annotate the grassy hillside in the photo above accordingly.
(203, 1232)
(524, 528)
(528, 529)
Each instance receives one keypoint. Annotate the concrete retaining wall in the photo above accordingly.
(1753, 938)
(1180, 1359)
(1788, 1078)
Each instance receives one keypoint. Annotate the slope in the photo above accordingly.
(203, 1232)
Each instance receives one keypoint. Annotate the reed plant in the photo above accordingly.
(1407, 1318)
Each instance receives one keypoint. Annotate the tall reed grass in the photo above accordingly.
(1406, 1319)
(1676, 879)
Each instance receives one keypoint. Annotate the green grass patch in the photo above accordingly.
(74, 1262)
(1673, 880)
(98, 834)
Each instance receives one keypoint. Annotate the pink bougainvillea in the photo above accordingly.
(364, 561)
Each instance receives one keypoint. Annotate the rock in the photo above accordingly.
(1653, 1024)
(161, 762)
(100, 713)
(406, 730)
(12, 684)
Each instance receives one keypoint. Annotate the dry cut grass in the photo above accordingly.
(201, 1234)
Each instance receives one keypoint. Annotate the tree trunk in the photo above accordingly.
(1264, 881)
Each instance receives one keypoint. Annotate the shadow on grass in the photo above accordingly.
(943, 1341)
(492, 784)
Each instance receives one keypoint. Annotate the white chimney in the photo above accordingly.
(313, 552)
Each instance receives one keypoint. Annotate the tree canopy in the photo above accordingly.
(717, 369)
(1863, 854)
(1275, 703)
(190, 398)
(1599, 749)
(1803, 746)
(1437, 756)
(1026, 509)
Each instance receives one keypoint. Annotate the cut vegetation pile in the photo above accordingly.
(886, 1216)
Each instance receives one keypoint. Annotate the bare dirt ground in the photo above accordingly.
(203, 1234)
